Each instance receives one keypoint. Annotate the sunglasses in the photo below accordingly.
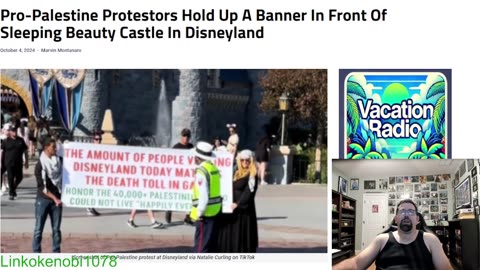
(247, 160)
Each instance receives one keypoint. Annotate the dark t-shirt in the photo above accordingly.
(405, 256)
(183, 146)
(41, 185)
(13, 150)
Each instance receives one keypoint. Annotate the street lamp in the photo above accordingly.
(284, 105)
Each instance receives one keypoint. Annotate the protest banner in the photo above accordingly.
(127, 177)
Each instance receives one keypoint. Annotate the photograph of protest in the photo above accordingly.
(164, 161)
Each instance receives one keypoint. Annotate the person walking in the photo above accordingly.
(32, 130)
(48, 173)
(183, 144)
(14, 154)
(23, 131)
(206, 199)
(41, 133)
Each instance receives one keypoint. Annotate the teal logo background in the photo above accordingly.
(395, 115)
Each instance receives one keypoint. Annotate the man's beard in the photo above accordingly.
(405, 225)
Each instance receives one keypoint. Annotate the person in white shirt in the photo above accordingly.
(233, 140)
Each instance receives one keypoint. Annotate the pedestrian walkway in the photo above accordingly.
(291, 218)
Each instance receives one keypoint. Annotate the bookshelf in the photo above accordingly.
(442, 233)
(463, 243)
(343, 226)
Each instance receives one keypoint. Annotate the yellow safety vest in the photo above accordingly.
(214, 205)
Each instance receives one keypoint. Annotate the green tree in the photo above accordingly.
(307, 89)
(438, 88)
(353, 116)
(427, 151)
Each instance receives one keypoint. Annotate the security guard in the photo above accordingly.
(206, 200)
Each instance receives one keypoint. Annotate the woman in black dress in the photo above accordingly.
(238, 231)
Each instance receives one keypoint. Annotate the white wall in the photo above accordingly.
(358, 195)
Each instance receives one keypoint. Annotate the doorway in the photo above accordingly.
(14, 98)
(12, 103)
(375, 216)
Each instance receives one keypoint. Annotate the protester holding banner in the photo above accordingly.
(131, 220)
(206, 199)
(48, 173)
(238, 232)
(183, 144)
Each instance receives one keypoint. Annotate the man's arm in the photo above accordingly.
(366, 257)
(440, 260)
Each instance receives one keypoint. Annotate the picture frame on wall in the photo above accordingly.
(463, 169)
(475, 183)
(355, 184)
(342, 185)
(383, 184)
(369, 184)
(469, 164)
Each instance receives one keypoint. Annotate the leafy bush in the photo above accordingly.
(311, 173)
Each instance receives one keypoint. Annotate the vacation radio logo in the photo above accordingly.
(395, 114)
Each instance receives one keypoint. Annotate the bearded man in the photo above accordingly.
(407, 244)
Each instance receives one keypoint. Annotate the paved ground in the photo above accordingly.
(291, 219)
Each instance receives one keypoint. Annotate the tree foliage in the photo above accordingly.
(307, 89)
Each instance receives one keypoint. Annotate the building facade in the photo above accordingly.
(158, 103)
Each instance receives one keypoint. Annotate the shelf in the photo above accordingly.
(463, 246)
(343, 237)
